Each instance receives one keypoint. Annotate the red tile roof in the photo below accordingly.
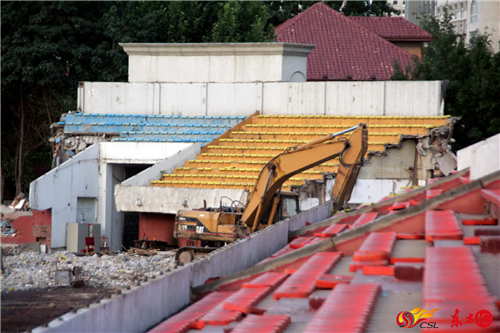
(320, 290)
(394, 28)
(344, 49)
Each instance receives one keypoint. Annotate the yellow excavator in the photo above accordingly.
(266, 203)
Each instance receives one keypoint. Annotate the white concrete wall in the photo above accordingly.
(482, 158)
(183, 99)
(139, 152)
(117, 97)
(217, 62)
(94, 173)
(382, 98)
(367, 191)
(357, 98)
(205, 69)
(418, 99)
(166, 166)
(168, 200)
(59, 189)
(225, 98)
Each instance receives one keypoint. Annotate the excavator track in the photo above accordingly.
(187, 254)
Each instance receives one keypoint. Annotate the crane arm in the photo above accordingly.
(298, 159)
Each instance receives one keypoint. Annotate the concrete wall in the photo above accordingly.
(169, 200)
(59, 189)
(217, 62)
(383, 98)
(482, 158)
(168, 165)
(93, 174)
(162, 297)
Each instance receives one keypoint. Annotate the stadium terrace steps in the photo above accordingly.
(348, 308)
(187, 318)
(307, 136)
(149, 128)
(453, 282)
(400, 129)
(229, 162)
(276, 144)
(222, 178)
(149, 119)
(212, 185)
(303, 281)
(441, 225)
(263, 324)
(234, 160)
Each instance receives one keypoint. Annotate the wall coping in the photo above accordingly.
(217, 49)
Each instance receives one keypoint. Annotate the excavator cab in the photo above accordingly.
(288, 207)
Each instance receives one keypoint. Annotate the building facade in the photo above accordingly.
(415, 10)
(469, 17)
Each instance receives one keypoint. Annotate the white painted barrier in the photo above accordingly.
(356, 98)
(482, 158)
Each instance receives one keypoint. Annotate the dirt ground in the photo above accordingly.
(23, 310)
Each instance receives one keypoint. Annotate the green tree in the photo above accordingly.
(48, 47)
(242, 21)
(280, 11)
(42, 55)
(473, 75)
(368, 8)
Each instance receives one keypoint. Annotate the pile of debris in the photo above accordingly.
(6, 227)
(35, 270)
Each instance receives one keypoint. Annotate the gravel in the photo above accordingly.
(34, 270)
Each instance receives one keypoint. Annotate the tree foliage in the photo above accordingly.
(48, 47)
(280, 11)
(473, 74)
(241, 21)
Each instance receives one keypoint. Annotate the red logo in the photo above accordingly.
(483, 319)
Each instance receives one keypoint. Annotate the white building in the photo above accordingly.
(469, 17)
(416, 9)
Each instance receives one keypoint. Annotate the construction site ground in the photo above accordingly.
(23, 310)
(31, 295)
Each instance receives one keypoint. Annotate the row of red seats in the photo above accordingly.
(347, 308)
(441, 224)
(375, 250)
(302, 282)
(453, 283)
(263, 324)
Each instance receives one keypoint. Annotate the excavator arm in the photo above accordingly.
(300, 158)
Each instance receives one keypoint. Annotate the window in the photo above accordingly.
(473, 12)
(395, 2)
(462, 11)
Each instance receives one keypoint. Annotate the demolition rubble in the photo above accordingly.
(30, 270)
